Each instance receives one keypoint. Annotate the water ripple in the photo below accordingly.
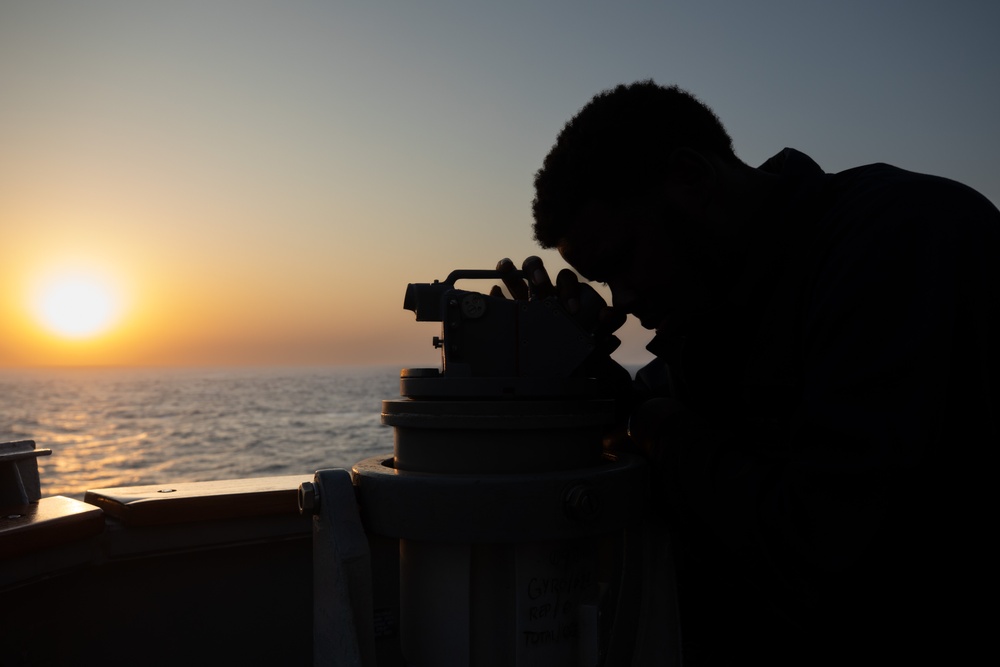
(113, 427)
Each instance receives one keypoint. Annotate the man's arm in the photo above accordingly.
(877, 334)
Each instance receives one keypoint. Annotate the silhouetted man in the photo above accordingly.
(829, 405)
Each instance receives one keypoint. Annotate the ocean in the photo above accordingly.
(111, 427)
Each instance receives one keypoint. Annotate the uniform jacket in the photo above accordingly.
(837, 492)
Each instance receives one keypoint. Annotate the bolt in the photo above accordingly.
(583, 502)
(308, 498)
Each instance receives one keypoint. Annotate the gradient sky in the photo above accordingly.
(260, 180)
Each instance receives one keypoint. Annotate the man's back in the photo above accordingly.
(851, 384)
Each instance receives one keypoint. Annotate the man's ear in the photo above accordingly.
(691, 179)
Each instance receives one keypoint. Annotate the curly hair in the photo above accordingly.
(616, 147)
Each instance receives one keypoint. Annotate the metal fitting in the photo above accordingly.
(308, 498)
(583, 502)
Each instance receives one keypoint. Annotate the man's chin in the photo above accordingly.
(668, 326)
(650, 323)
(665, 324)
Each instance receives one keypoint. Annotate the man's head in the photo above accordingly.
(630, 196)
(617, 148)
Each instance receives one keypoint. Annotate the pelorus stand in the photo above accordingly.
(499, 532)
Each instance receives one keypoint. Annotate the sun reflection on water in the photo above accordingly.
(123, 427)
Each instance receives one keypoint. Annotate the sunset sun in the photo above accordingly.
(77, 305)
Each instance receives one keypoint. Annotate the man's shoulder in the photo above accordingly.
(884, 189)
(879, 205)
(877, 188)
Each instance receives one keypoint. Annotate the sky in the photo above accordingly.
(252, 182)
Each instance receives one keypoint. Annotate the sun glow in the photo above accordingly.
(77, 304)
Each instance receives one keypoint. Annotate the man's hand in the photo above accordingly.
(591, 312)
(580, 300)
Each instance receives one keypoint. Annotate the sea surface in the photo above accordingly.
(121, 427)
